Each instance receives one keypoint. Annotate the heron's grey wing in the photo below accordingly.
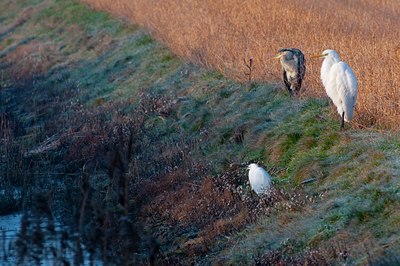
(302, 70)
(296, 85)
(301, 63)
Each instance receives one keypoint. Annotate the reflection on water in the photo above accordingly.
(9, 227)
(27, 240)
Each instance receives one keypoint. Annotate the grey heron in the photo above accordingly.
(293, 68)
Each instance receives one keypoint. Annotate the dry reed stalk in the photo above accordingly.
(219, 34)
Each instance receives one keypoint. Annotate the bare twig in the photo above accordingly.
(250, 68)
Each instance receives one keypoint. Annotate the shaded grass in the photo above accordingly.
(194, 131)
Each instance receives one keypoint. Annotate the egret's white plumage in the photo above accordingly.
(340, 84)
(260, 180)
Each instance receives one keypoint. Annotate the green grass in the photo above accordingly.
(104, 63)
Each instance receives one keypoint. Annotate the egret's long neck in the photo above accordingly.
(326, 68)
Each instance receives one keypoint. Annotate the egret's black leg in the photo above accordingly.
(342, 123)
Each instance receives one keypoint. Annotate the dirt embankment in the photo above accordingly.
(145, 155)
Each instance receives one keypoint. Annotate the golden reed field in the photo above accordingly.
(220, 34)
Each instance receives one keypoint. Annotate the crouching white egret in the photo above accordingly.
(260, 180)
(293, 68)
(340, 84)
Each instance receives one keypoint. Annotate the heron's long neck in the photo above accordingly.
(326, 68)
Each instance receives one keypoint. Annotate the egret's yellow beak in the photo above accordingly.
(318, 56)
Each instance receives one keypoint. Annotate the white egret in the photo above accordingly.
(260, 180)
(340, 84)
(294, 68)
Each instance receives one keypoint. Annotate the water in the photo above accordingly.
(9, 228)
(42, 242)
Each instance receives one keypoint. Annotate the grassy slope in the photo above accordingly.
(67, 65)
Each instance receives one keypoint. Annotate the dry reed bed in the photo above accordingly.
(219, 34)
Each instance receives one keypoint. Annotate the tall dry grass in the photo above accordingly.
(220, 34)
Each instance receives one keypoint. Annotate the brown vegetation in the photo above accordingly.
(220, 34)
(202, 212)
(160, 177)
